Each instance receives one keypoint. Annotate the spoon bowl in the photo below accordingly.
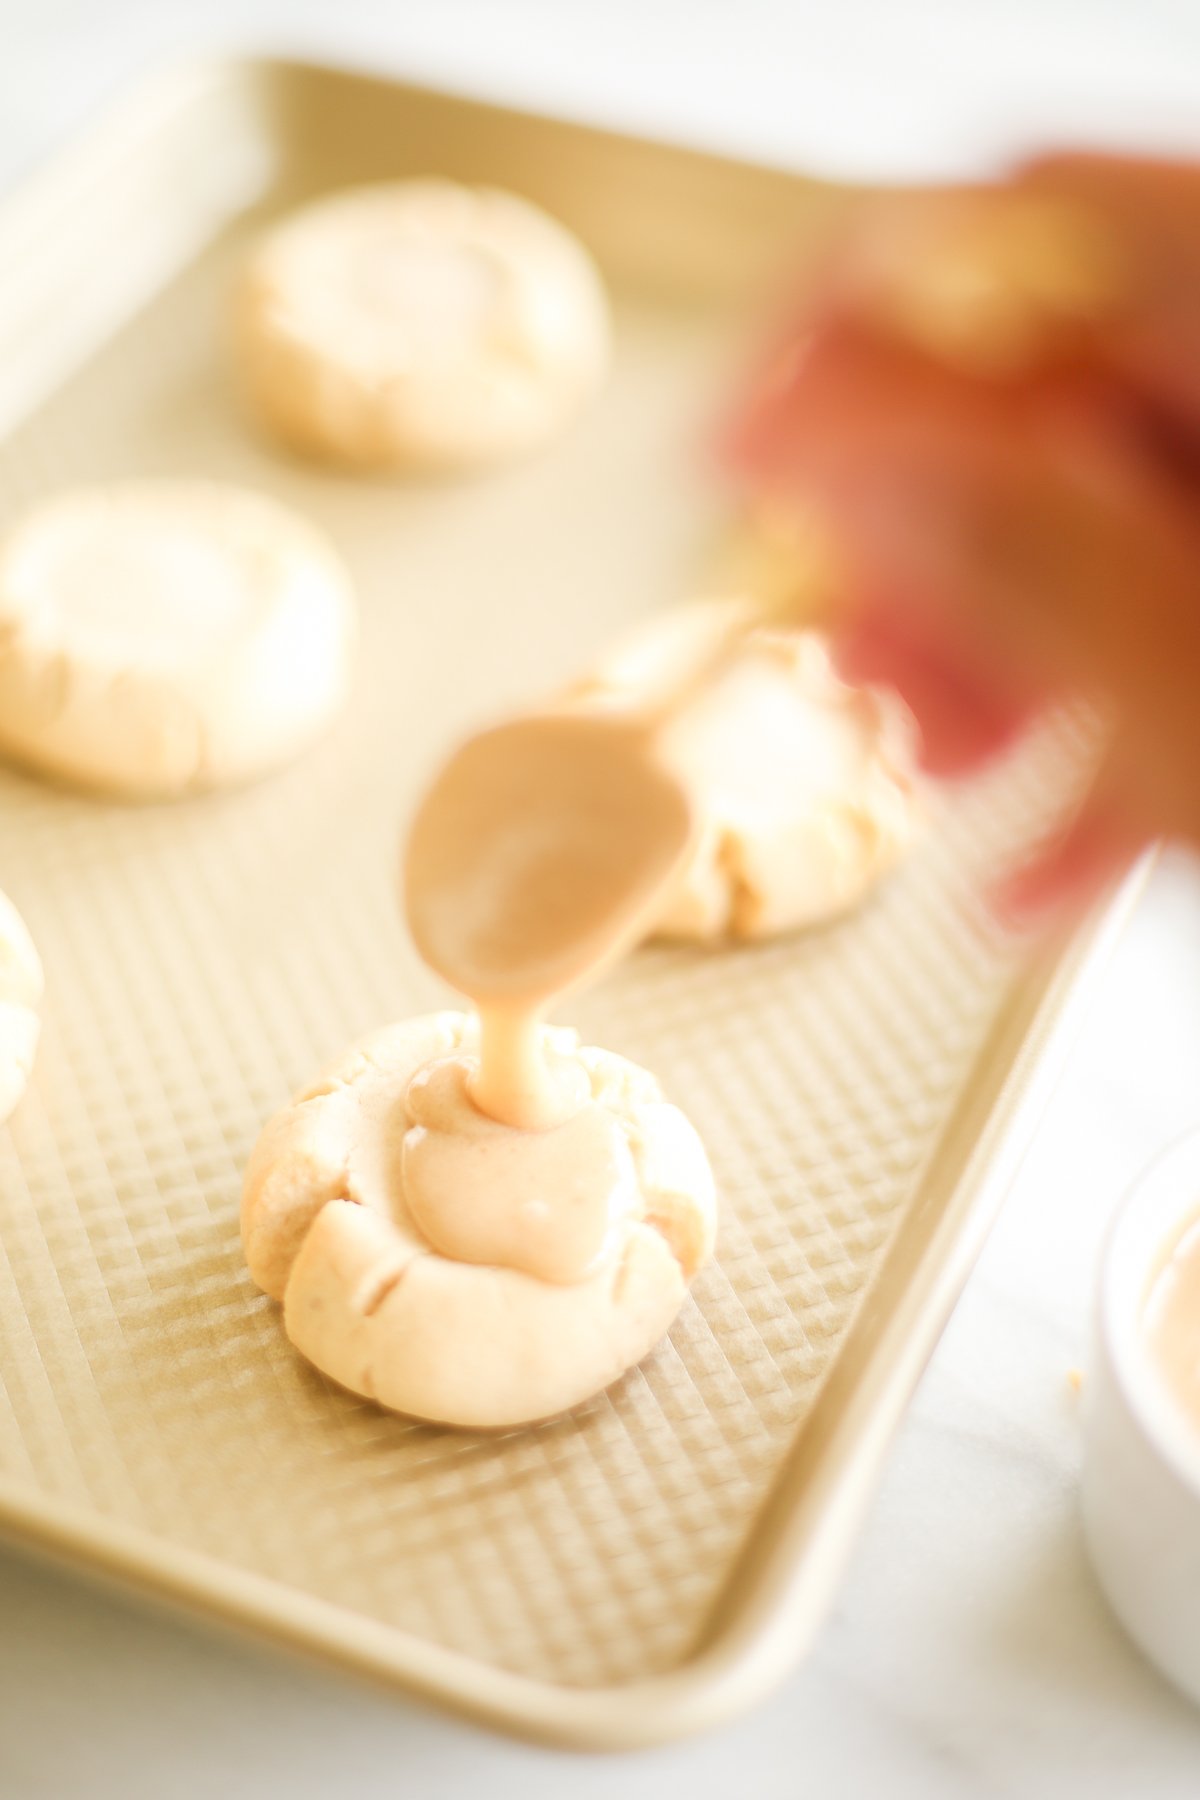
(540, 853)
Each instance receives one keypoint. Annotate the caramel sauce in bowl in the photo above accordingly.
(1141, 1473)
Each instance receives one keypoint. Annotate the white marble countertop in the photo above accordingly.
(969, 1652)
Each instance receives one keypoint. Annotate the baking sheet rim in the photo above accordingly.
(735, 1665)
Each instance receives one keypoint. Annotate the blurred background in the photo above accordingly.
(860, 88)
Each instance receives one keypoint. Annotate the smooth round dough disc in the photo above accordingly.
(368, 1299)
(20, 999)
(804, 787)
(420, 324)
(162, 637)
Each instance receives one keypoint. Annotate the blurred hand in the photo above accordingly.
(993, 396)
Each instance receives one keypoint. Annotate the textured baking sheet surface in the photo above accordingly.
(203, 959)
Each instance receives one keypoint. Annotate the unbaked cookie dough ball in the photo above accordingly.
(459, 1271)
(420, 325)
(162, 637)
(804, 787)
(20, 1000)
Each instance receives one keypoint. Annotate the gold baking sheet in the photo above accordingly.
(652, 1563)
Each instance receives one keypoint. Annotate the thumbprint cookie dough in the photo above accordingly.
(162, 637)
(456, 1269)
(420, 325)
(803, 787)
(20, 1000)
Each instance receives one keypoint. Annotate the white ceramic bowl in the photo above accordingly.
(1141, 1475)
